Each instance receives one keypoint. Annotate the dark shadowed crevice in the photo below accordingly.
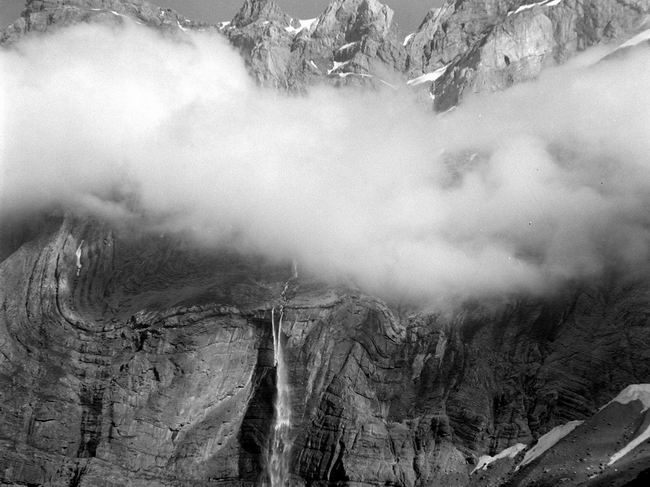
(641, 480)
(258, 419)
(92, 402)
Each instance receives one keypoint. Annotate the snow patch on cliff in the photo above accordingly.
(637, 39)
(432, 76)
(547, 441)
(302, 25)
(645, 435)
(634, 392)
(337, 65)
(510, 452)
(545, 3)
(347, 46)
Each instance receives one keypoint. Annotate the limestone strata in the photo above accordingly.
(154, 367)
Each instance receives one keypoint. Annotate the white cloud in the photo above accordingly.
(121, 121)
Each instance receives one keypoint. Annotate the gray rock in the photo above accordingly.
(353, 42)
(44, 15)
(154, 367)
(527, 40)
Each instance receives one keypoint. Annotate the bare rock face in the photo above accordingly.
(353, 42)
(531, 36)
(85, 397)
(43, 15)
(254, 10)
(451, 30)
(153, 366)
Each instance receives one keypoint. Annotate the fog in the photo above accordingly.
(519, 191)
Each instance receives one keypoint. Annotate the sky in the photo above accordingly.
(512, 192)
(408, 13)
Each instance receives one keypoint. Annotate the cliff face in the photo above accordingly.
(529, 37)
(472, 46)
(353, 42)
(45, 15)
(139, 360)
(153, 366)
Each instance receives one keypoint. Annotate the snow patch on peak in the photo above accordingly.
(117, 14)
(543, 3)
(637, 39)
(547, 441)
(510, 452)
(347, 46)
(337, 66)
(361, 75)
(302, 25)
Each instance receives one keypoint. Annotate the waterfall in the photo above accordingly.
(78, 255)
(294, 269)
(280, 442)
(280, 454)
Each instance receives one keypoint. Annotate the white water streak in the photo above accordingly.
(280, 443)
(78, 255)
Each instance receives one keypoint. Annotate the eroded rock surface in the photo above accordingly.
(154, 367)
(45, 15)
(353, 42)
(528, 37)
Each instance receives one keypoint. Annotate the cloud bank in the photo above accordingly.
(513, 192)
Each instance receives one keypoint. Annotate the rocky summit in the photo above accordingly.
(465, 46)
(143, 361)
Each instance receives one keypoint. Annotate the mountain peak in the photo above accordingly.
(358, 16)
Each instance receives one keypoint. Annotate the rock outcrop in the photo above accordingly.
(44, 15)
(528, 37)
(353, 42)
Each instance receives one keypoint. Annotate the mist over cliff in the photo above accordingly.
(470, 305)
(520, 190)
